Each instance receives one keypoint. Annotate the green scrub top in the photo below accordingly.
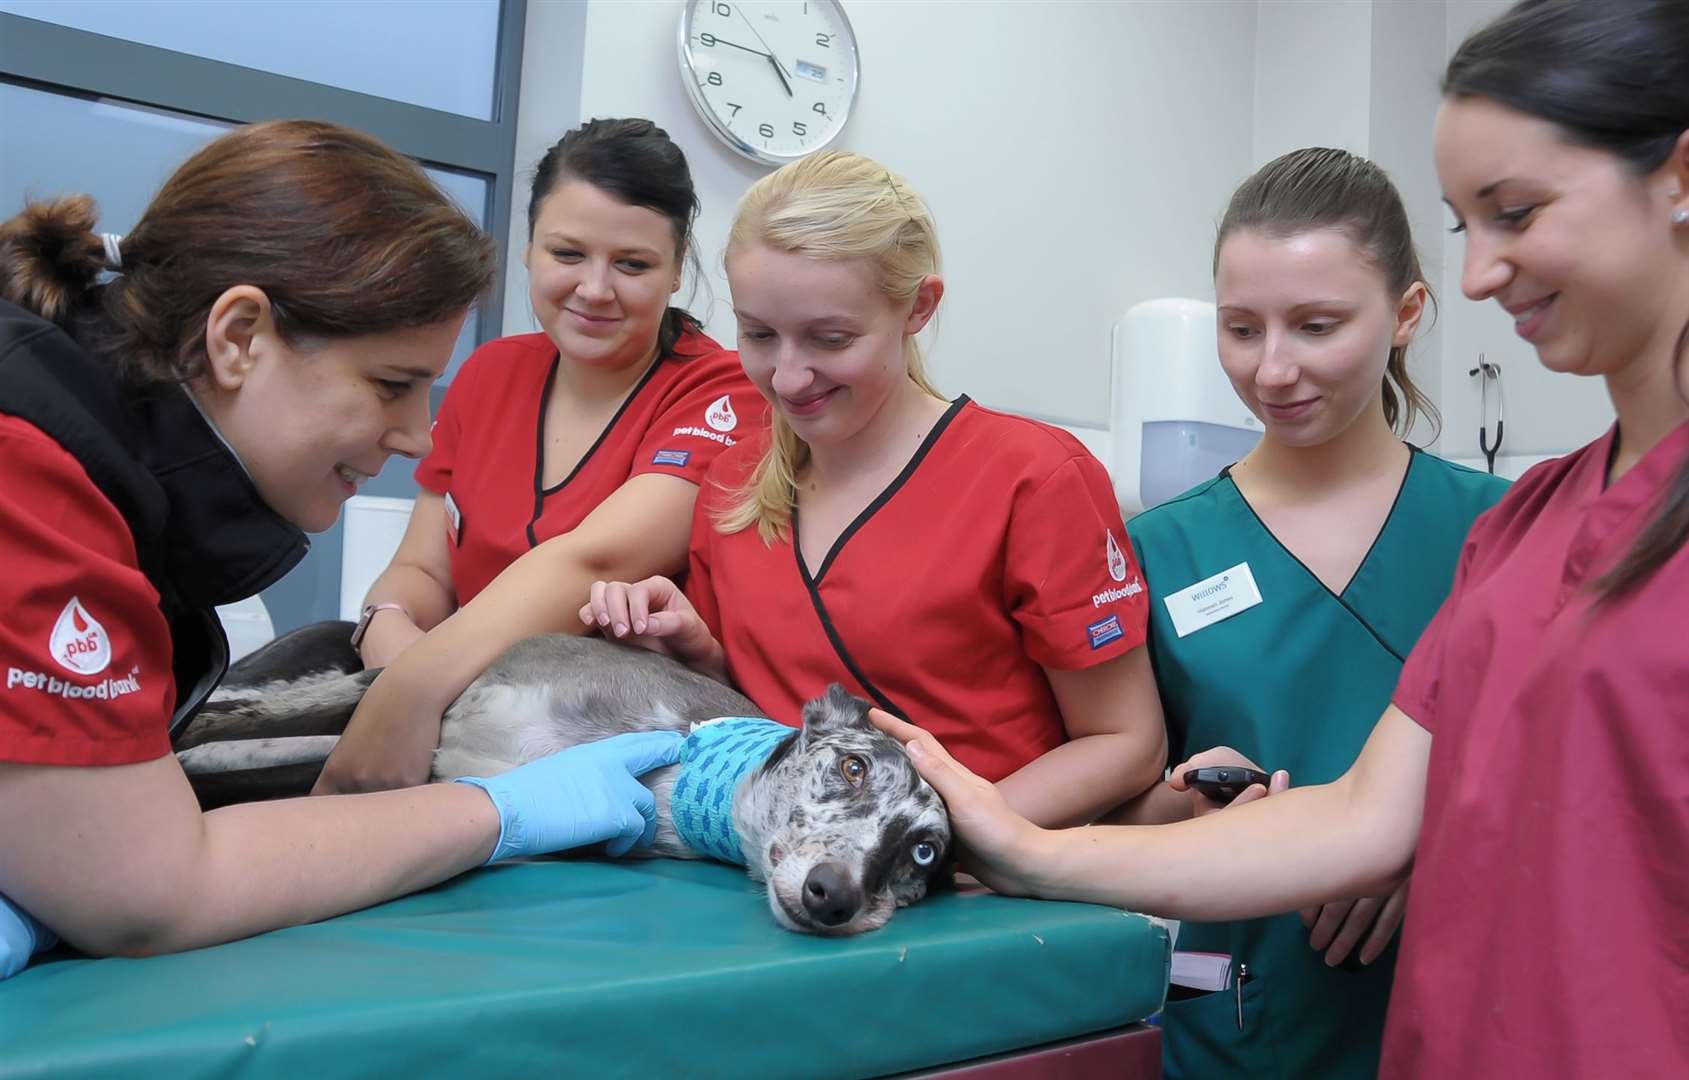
(1295, 682)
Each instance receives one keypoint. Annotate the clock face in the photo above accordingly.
(775, 80)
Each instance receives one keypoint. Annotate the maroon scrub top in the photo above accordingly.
(1547, 930)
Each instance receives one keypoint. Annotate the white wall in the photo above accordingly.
(1312, 77)
(1075, 153)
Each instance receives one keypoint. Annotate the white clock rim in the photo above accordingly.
(730, 137)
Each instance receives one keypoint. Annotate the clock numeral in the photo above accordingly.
(766, 131)
(818, 107)
(707, 39)
(824, 40)
(713, 78)
(721, 9)
(798, 129)
(735, 109)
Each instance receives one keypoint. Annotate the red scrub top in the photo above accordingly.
(1547, 930)
(83, 645)
(998, 549)
(487, 461)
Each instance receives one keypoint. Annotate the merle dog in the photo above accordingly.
(835, 820)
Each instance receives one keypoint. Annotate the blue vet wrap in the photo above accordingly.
(713, 759)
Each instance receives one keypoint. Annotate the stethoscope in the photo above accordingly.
(1491, 373)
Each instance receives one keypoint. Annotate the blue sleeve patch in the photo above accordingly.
(1103, 632)
(672, 457)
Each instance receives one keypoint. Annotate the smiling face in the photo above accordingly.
(821, 340)
(839, 825)
(600, 275)
(1568, 239)
(1306, 325)
(311, 421)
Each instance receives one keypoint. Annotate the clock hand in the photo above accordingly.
(780, 73)
(746, 48)
(779, 69)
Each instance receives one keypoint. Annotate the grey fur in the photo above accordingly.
(838, 857)
(317, 703)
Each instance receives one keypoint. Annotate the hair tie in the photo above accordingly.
(114, 256)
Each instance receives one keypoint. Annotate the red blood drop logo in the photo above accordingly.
(78, 642)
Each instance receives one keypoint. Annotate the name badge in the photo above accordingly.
(454, 520)
(1213, 599)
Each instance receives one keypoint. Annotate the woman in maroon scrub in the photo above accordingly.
(1531, 772)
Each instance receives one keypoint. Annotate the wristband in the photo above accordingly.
(368, 614)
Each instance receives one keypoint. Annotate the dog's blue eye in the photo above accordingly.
(924, 853)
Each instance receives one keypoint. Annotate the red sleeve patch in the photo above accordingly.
(1071, 580)
(711, 408)
(84, 648)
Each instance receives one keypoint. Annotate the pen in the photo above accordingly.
(1242, 977)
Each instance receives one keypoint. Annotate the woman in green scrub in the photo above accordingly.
(1287, 591)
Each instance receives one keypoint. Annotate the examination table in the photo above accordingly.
(600, 969)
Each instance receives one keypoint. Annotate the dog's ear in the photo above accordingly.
(835, 710)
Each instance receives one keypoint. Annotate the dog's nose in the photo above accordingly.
(829, 895)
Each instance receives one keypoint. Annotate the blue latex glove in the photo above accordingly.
(581, 795)
(21, 937)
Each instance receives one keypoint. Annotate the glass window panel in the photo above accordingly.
(469, 192)
(57, 144)
(441, 54)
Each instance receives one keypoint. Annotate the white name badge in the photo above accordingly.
(1213, 599)
(454, 520)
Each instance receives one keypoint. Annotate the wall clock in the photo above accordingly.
(774, 80)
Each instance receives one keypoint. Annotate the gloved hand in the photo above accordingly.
(21, 937)
(581, 795)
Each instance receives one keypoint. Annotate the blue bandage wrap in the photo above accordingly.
(713, 759)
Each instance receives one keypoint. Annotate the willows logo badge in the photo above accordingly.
(79, 643)
(1116, 558)
(720, 414)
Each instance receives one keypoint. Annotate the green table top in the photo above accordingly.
(593, 968)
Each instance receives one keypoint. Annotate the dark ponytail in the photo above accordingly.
(50, 256)
(633, 161)
(1319, 188)
(1612, 75)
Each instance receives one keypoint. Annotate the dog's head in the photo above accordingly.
(839, 825)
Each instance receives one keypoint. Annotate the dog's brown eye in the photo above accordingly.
(853, 769)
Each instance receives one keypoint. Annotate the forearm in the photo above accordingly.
(426, 600)
(1160, 805)
(538, 594)
(1081, 779)
(1298, 848)
(261, 866)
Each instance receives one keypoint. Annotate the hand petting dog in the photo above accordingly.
(999, 844)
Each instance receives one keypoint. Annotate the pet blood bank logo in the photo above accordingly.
(720, 414)
(79, 643)
(1116, 558)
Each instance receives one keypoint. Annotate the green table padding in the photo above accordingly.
(583, 968)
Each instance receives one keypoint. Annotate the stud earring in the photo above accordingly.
(1680, 216)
